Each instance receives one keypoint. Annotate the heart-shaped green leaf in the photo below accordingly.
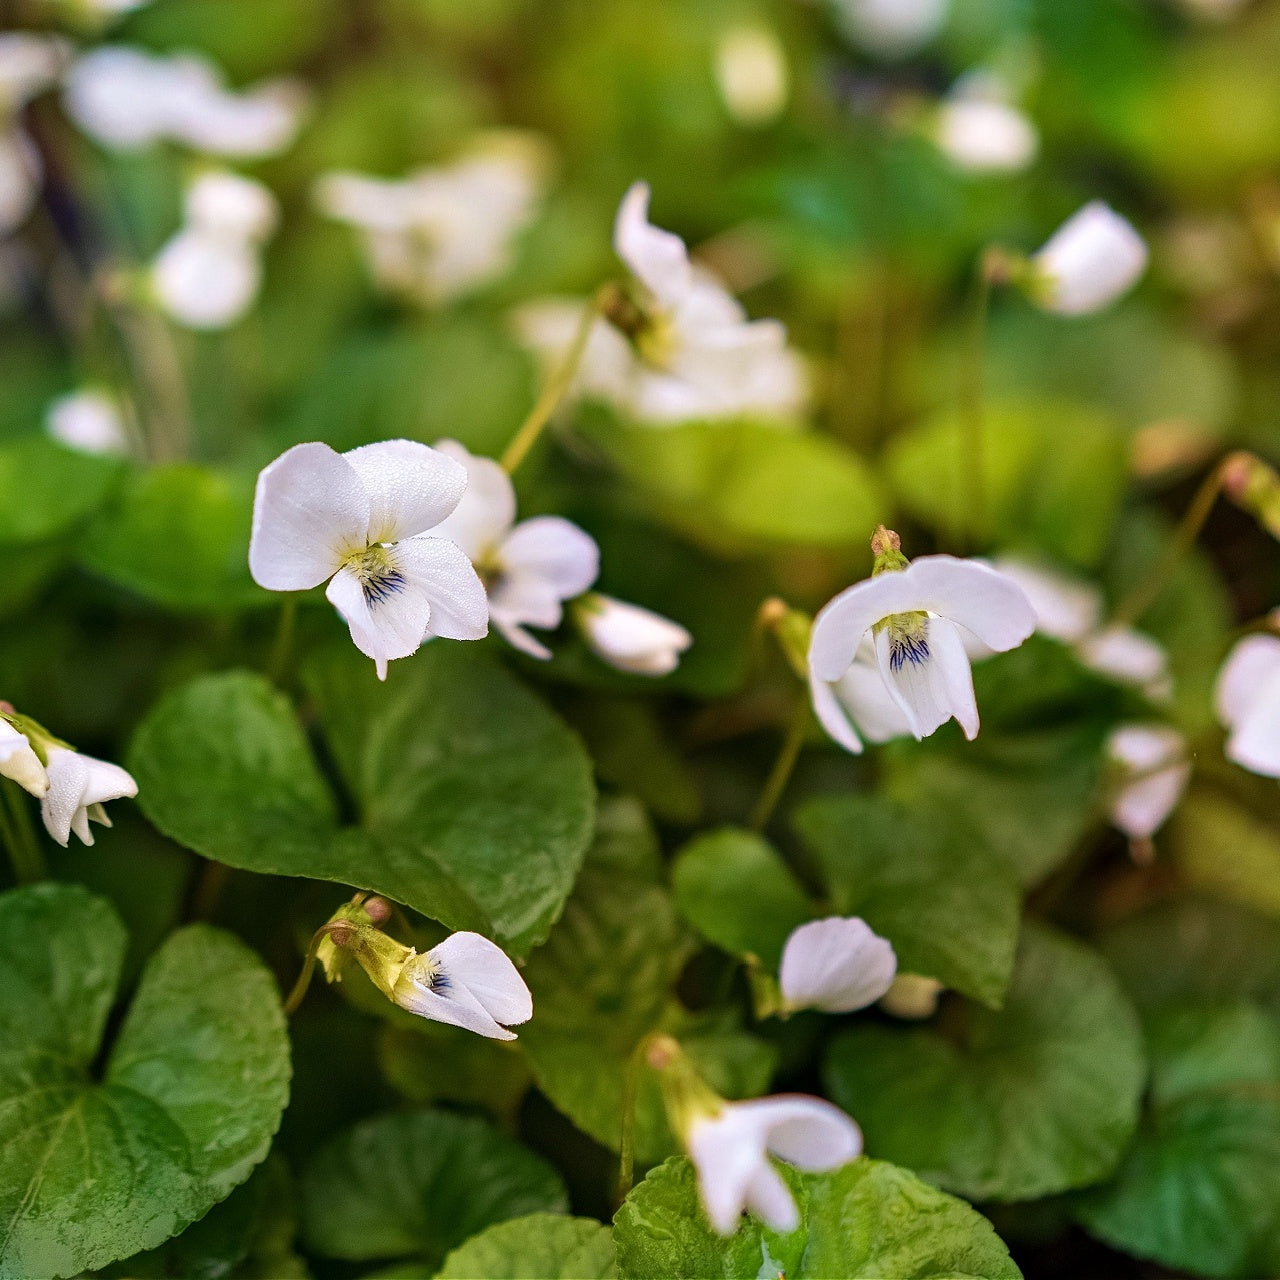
(542, 1246)
(1036, 1099)
(95, 1164)
(474, 802)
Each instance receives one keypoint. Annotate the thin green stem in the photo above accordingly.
(20, 835)
(282, 648)
(1147, 593)
(630, 1093)
(780, 774)
(299, 991)
(556, 386)
(971, 406)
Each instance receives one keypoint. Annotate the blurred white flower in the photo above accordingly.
(914, 614)
(629, 637)
(29, 64)
(835, 965)
(89, 421)
(730, 1149)
(21, 173)
(1153, 768)
(1093, 258)
(891, 28)
(678, 346)
(467, 981)
(529, 568)
(912, 997)
(19, 761)
(365, 521)
(980, 131)
(1066, 608)
(208, 274)
(127, 98)
(751, 72)
(446, 231)
(1247, 699)
(1129, 657)
(78, 786)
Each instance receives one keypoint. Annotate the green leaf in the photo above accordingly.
(179, 537)
(603, 981)
(727, 483)
(1221, 847)
(1036, 1099)
(1053, 475)
(925, 881)
(1199, 1188)
(47, 490)
(542, 1246)
(95, 1169)
(474, 801)
(417, 1184)
(733, 887)
(868, 1219)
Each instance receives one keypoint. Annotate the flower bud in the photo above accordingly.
(1093, 258)
(628, 637)
(1254, 487)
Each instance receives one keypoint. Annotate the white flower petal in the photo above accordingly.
(459, 1008)
(206, 280)
(441, 571)
(387, 616)
(1156, 755)
(517, 637)
(1092, 259)
(767, 1197)
(891, 28)
(77, 782)
(1249, 666)
(726, 1151)
(657, 258)
(835, 965)
(631, 638)
(488, 973)
(411, 487)
(89, 421)
(487, 509)
(310, 512)
(1066, 608)
(229, 204)
(833, 717)
(982, 136)
(19, 761)
(974, 596)
(1125, 655)
(555, 551)
(809, 1133)
(932, 687)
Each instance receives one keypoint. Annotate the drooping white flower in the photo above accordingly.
(913, 614)
(912, 997)
(89, 421)
(1247, 699)
(730, 1151)
(365, 522)
(751, 73)
(78, 787)
(678, 345)
(1153, 768)
(1093, 258)
(208, 274)
(443, 232)
(127, 98)
(629, 637)
(980, 131)
(19, 761)
(835, 965)
(1129, 657)
(529, 569)
(467, 981)
(891, 28)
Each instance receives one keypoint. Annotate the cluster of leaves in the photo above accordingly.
(1102, 1076)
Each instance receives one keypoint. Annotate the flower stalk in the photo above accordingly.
(20, 837)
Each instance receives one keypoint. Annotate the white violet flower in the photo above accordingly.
(128, 98)
(1093, 258)
(1131, 657)
(443, 232)
(1247, 698)
(1153, 767)
(89, 421)
(19, 761)
(365, 521)
(891, 28)
(628, 637)
(835, 965)
(730, 1150)
(677, 345)
(78, 787)
(984, 134)
(467, 981)
(914, 613)
(529, 569)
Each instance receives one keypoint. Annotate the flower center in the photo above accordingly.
(908, 639)
(379, 577)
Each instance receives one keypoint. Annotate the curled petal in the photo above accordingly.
(487, 972)
(310, 512)
(836, 965)
(657, 258)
